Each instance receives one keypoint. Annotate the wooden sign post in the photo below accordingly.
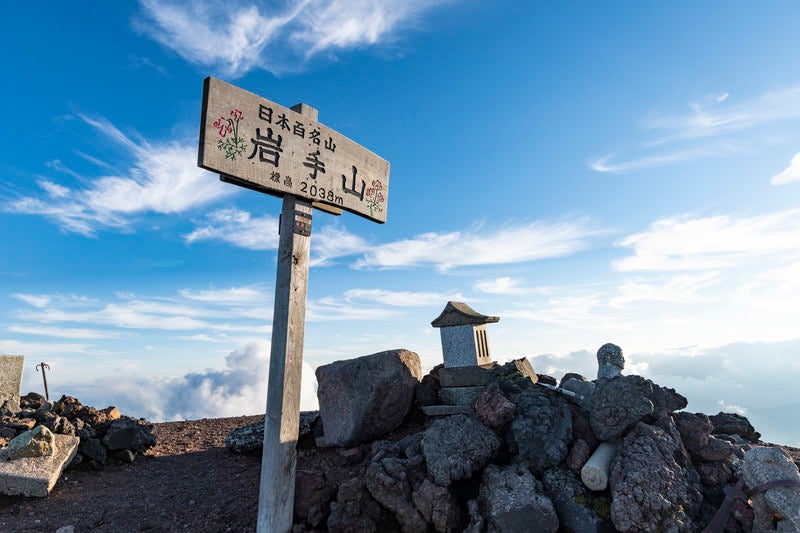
(261, 145)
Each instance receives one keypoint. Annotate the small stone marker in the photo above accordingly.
(10, 377)
(463, 332)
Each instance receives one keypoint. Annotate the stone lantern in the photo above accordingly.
(463, 332)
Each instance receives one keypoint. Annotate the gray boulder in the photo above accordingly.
(542, 429)
(618, 404)
(771, 464)
(695, 430)
(512, 500)
(457, 446)
(37, 442)
(650, 491)
(734, 424)
(365, 398)
(129, 434)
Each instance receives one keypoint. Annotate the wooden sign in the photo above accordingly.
(258, 144)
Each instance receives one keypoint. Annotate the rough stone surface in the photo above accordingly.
(365, 398)
(542, 429)
(36, 476)
(583, 388)
(354, 510)
(10, 377)
(311, 497)
(734, 424)
(714, 474)
(714, 451)
(427, 392)
(618, 404)
(438, 506)
(493, 408)
(391, 477)
(460, 395)
(650, 491)
(578, 455)
(695, 429)
(763, 465)
(571, 375)
(129, 434)
(666, 400)
(466, 376)
(571, 501)
(512, 500)
(37, 442)
(457, 446)
(610, 361)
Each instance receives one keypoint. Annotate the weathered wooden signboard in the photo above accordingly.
(264, 146)
(256, 143)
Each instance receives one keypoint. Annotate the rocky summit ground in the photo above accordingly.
(188, 482)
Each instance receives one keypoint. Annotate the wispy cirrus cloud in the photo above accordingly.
(510, 244)
(162, 178)
(685, 288)
(694, 243)
(239, 36)
(238, 228)
(718, 125)
(790, 174)
(236, 310)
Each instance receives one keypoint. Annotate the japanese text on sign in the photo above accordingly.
(263, 145)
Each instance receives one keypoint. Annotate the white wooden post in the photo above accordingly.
(282, 422)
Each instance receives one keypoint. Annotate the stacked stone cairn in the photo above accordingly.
(524, 453)
(104, 434)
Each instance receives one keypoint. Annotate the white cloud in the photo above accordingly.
(399, 298)
(685, 243)
(717, 126)
(239, 389)
(238, 228)
(65, 333)
(237, 310)
(685, 288)
(240, 36)
(501, 285)
(164, 178)
(34, 300)
(232, 296)
(511, 244)
(333, 241)
(332, 309)
(790, 174)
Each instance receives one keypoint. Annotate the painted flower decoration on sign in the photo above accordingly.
(375, 197)
(230, 142)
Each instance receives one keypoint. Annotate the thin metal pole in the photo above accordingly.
(44, 377)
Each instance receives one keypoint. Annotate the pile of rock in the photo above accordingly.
(612, 454)
(103, 433)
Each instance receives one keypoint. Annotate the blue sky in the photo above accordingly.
(589, 172)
